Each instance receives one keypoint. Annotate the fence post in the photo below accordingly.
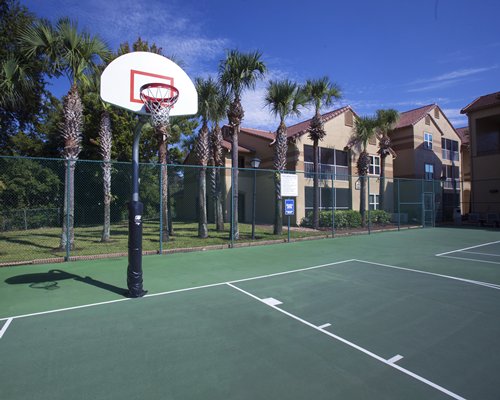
(333, 208)
(368, 198)
(231, 234)
(399, 209)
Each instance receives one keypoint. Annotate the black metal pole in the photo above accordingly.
(135, 209)
(253, 202)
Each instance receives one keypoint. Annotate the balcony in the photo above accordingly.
(449, 155)
(327, 171)
(448, 184)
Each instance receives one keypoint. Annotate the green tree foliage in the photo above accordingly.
(22, 85)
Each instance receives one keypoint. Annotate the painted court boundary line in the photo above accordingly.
(176, 291)
(4, 327)
(467, 248)
(455, 278)
(471, 259)
(353, 345)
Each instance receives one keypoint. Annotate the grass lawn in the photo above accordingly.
(43, 243)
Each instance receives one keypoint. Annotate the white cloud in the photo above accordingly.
(448, 79)
(457, 120)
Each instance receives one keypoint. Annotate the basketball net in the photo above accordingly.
(159, 98)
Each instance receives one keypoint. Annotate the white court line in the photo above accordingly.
(483, 254)
(355, 346)
(4, 328)
(479, 283)
(472, 259)
(395, 359)
(467, 248)
(324, 326)
(176, 291)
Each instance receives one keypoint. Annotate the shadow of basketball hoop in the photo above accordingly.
(50, 281)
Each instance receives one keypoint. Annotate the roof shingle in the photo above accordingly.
(486, 101)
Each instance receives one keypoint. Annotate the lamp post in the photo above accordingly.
(254, 163)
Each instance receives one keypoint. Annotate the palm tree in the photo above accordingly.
(105, 141)
(239, 71)
(284, 98)
(218, 112)
(320, 92)
(16, 83)
(387, 120)
(75, 55)
(364, 129)
(207, 93)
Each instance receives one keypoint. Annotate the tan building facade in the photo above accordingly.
(339, 186)
(484, 130)
(428, 148)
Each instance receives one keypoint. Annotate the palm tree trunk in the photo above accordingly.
(202, 203)
(280, 150)
(235, 116)
(161, 136)
(315, 186)
(219, 221)
(362, 200)
(72, 134)
(106, 181)
(68, 231)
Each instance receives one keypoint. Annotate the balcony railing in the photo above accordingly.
(450, 155)
(327, 171)
(448, 184)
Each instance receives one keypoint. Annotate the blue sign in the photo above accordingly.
(289, 207)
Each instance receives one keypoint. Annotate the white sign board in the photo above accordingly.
(289, 185)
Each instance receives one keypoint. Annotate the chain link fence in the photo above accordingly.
(55, 209)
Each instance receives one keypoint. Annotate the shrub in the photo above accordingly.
(380, 217)
(343, 219)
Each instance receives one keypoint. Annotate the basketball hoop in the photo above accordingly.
(159, 98)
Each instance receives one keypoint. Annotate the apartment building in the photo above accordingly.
(484, 129)
(428, 147)
(339, 188)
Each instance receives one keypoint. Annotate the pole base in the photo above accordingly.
(135, 294)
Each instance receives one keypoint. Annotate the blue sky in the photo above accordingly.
(399, 54)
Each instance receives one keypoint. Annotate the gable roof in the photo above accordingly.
(486, 101)
(293, 131)
(300, 129)
(411, 117)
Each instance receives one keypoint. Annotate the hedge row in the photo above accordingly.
(346, 218)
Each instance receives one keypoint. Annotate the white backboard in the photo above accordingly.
(123, 77)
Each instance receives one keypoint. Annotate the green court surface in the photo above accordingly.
(395, 315)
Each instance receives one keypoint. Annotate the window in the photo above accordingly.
(452, 175)
(374, 168)
(373, 201)
(436, 113)
(429, 172)
(241, 162)
(427, 120)
(449, 149)
(332, 163)
(488, 135)
(340, 198)
(428, 140)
